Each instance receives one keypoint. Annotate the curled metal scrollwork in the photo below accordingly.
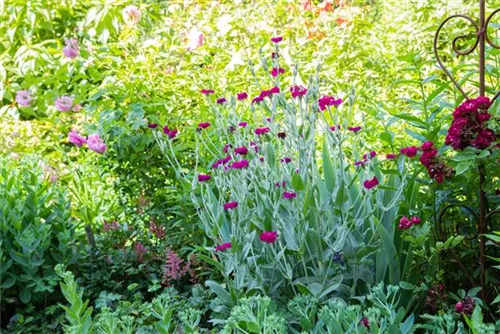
(480, 31)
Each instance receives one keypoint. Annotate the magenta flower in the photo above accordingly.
(242, 96)
(289, 195)
(23, 98)
(369, 184)
(239, 164)
(64, 103)
(257, 99)
(260, 131)
(227, 147)
(427, 146)
(404, 223)
(96, 144)
(203, 177)
(223, 247)
(274, 90)
(241, 150)
(221, 100)
(276, 39)
(286, 160)
(76, 139)
(261, 159)
(354, 129)
(77, 107)
(230, 205)
(269, 237)
(365, 322)
(325, 101)
(152, 125)
(71, 50)
(282, 184)
(390, 156)
(242, 124)
(207, 91)
(298, 91)
(415, 220)
(277, 71)
(360, 163)
(410, 151)
(335, 127)
(170, 133)
(275, 55)
(203, 125)
(370, 155)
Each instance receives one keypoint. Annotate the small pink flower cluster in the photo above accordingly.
(289, 195)
(139, 251)
(203, 125)
(261, 131)
(366, 157)
(465, 306)
(354, 129)
(269, 237)
(298, 91)
(468, 127)
(72, 49)
(23, 98)
(223, 247)
(65, 104)
(410, 151)
(221, 162)
(277, 71)
(369, 184)
(94, 142)
(113, 226)
(203, 178)
(157, 230)
(266, 93)
(175, 270)
(437, 169)
(327, 101)
(171, 133)
(405, 222)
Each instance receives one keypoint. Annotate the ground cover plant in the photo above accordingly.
(247, 167)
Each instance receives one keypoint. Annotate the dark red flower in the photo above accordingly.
(369, 184)
(276, 39)
(230, 205)
(242, 96)
(268, 237)
(207, 91)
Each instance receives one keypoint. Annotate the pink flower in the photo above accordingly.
(354, 129)
(230, 205)
(239, 164)
(227, 147)
(277, 71)
(140, 250)
(221, 100)
(96, 144)
(415, 220)
(23, 98)
(260, 131)
(152, 125)
(370, 155)
(404, 223)
(195, 39)
(298, 91)
(427, 146)
(325, 101)
(286, 160)
(242, 124)
(365, 322)
(257, 99)
(261, 159)
(335, 127)
(275, 89)
(170, 133)
(203, 125)
(223, 247)
(269, 237)
(64, 103)
(77, 107)
(276, 39)
(241, 150)
(278, 185)
(203, 177)
(76, 139)
(289, 195)
(71, 50)
(369, 184)
(360, 163)
(207, 91)
(390, 156)
(410, 151)
(131, 15)
(242, 96)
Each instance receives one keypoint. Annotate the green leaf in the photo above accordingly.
(390, 253)
(463, 167)
(297, 182)
(220, 292)
(25, 295)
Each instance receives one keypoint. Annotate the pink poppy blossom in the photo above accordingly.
(260, 131)
(96, 144)
(207, 91)
(277, 71)
(241, 150)
(230, 205)
(152, 125)
(223, 247)
(369, 184)
(242, 124)
(276, 39)
(269, 237)
(390, 156)
(354, 129)
(221, 100)
(410, 151)
(77, 107)
(203, 177)
(23, 98)
(289, 195)
(76, 139)
(239, 164)
(71, 50)
(203, 125)
(131, 15)
(242, 96)
(64, 103)
(297, 91)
